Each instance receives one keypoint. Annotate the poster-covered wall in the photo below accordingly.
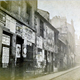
(5, 50)
(29, 34)
(49, 39)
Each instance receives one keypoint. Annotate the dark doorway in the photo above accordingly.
(30, 57)
(19, 59)
(52, 62)
(19, 43)
(46, 61)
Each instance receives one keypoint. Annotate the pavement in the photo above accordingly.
(53, 75)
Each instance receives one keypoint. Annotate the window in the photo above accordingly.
(4, 4)
(28, 11)
(41, 29)
(35, 20)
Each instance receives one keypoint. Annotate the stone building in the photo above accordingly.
(77, 48)
(47, 37)
(17, 35)
(71, 43)
(66, 35)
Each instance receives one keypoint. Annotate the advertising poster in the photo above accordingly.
(18, 50)
(5, 55)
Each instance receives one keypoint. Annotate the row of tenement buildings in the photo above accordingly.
(30, 40)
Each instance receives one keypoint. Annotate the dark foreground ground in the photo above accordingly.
(71, 74)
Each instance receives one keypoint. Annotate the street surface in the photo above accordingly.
(72, 75)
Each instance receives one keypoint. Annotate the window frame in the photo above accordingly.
(41, 28)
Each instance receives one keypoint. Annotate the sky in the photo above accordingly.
(63, 8)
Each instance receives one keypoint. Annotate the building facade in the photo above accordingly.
(49, 40)
(28, 40)
(77, 48)
(17, 32)
(66, 35)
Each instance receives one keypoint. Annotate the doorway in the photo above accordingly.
(19, 57)
(19, 61)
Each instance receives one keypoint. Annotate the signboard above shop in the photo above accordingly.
(49, 39)
(29, 34)
(5, 39)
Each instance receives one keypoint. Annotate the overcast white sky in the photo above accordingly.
(64, 8)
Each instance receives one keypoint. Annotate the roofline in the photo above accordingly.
(52, 27)
(43, 10)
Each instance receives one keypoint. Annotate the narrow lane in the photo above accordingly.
(72, 75)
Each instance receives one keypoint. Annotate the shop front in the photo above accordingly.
(49, 56)
(49, 48)
(6, 58)
(29, 43)
(6, 49)
(40, 53)
(18, 45)
(7, 30)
